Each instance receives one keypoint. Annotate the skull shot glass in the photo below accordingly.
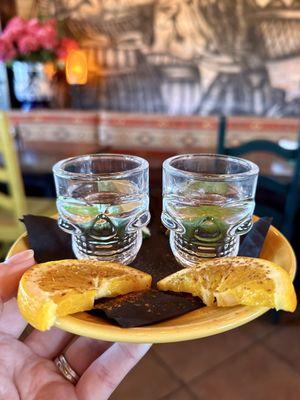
(103, 202)
(208, 202)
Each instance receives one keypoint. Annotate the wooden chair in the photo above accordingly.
(287, 191)
(13, 202)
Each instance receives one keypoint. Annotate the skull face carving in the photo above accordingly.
(104, 216)
(207, 230)
(208, 203)
(103, 224)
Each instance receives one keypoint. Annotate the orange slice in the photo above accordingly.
(230, 281)
(59, 288)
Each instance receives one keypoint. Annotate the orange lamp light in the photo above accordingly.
(49, 69)
(76, 67)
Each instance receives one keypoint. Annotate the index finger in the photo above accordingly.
(107, 372)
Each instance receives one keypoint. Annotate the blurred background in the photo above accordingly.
(157, 78)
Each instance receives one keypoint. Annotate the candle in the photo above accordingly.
(76, 67)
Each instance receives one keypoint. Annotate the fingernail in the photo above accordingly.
(23, 256)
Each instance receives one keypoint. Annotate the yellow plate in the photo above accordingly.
(204, 322)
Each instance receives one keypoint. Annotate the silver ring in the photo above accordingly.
(66, 370)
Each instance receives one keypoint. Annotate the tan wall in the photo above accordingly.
(24, 7)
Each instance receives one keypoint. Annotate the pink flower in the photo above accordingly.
(51, 22)
(25, 37)
(47, 37)
(65, 46)
(27, 44)
(33, 26)
(15, 28)
(7, 50)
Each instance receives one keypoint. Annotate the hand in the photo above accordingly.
(27, 370)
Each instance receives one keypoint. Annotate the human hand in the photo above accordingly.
(27, 370)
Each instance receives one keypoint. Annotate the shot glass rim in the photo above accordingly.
(253, 168)
(58, 168)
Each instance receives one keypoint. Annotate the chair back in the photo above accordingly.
(285, 219)
(10, 174)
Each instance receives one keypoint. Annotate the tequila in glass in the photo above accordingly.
(205, 212)
(104, 213)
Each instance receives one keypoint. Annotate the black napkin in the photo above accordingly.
(155, 257)
(252, 243)
(48, 241)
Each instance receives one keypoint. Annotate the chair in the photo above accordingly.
(13, 202)
(284, 219)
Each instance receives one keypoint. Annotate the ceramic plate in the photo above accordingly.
(204, 322)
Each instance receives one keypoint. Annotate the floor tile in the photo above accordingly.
(147, 381)
(260, 327)
(256, 374)
(180, 394)
(286, 342)
(190, 359)
(287, 318)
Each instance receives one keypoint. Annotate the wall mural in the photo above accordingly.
(204, 57)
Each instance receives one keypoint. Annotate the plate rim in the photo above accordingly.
(166, 334)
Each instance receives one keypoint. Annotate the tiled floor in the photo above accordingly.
(259, 361)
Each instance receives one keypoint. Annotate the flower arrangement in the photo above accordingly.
(33, 41)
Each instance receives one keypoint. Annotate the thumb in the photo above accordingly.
(107, 372)
(19, 259)
(11, 271)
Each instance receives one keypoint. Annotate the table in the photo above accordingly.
(46, 136)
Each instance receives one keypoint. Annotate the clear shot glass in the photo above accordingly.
(103, 202)
(208, 203)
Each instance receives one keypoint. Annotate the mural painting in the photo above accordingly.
(192, 57)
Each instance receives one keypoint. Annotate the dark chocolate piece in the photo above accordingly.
(145, 308)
